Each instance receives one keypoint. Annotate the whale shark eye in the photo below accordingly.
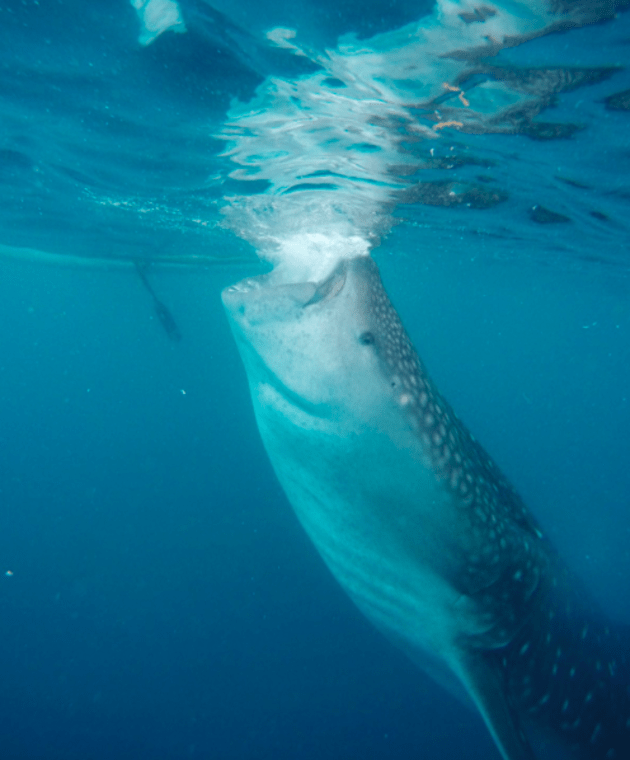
(367, 339)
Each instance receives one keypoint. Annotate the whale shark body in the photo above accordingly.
(416, 521)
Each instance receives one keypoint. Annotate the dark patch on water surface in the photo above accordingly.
(457, 161)
(573, 182)
(449, 194)
(334, 82)
(542, 215)
(600, 216)
(620, 101)
(478, 15)
(531, 89)
(14, 159)
(545, 81)
(547, 130)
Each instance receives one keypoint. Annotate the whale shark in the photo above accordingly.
(416, 521)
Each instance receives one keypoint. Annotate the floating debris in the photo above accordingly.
(449, 123)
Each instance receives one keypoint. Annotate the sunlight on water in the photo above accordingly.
(337, 148)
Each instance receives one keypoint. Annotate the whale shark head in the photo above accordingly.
(335, 378)
(333, 347)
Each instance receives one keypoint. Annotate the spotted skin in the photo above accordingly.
(416, 521)
(568, 670)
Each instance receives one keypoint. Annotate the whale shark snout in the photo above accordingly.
(416, 521)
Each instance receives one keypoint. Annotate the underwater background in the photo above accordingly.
(158, 598)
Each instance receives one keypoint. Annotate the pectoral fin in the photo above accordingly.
(485, 684)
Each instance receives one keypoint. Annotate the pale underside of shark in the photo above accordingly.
(415, 520)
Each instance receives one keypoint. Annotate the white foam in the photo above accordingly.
(311, 256)
(156, 16)
(336, 146)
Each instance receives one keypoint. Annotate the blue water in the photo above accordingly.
(161, 600)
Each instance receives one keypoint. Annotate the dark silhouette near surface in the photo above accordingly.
(161, 310)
